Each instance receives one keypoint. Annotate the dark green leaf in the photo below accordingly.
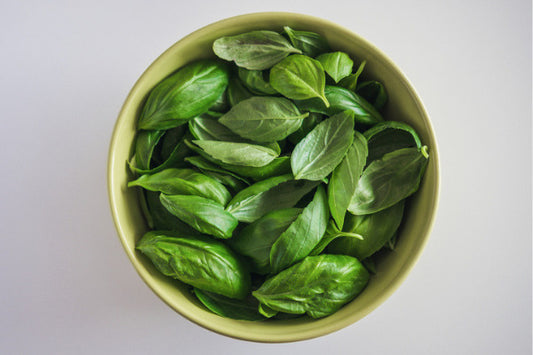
(207, 128)
(169, 142)
(318, 285)
(302, 235)
(323, 148)
(332, 233)
(350, 82)
(225, 177)
(184, 182)
(145, 144)
(221, 105)
(373, 92)
(340, 100)
(175, 160)
(307, 126)
(255, 81)
(344, 178)
(376, 230)
(256, 239)
(299, 77)
(198, 261)
(191, 91)
(204, 215)
(337, 64)
(246, 309)
(162, 218)
(238, 153)
(237, 92)
(389, 180)
(388, 136)
(263, 119)
(256, 50)
(310, 43)
(268, 195)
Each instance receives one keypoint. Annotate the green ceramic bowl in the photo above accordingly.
(404, 105)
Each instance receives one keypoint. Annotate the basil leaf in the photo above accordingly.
(388, 136)
(318, 285)
(145, 144)
(307, 126)
(221, 104)
(332, 233)
(198, 261)
(170, 140)
(389, 180)
(373, 92)
(323, 148)
(255, 81)
(268, 195)
(246, 309)
(302, 235)
(238, 153)
(337, 64)
(350, 82)
(266, 311)
(256, 239)
(310, 43)
(207, 128)
(263, 119)
(299, 77)
(183, 95)
(376, 229)
(344, 178)
(184, 182)
(237, 92)
(256, 50)
(175, 160)
(204, 215)
(162, 218)
(340, 100)
(206, 166)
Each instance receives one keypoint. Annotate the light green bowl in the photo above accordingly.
(404, 105)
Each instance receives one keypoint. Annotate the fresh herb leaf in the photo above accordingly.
(337, 64)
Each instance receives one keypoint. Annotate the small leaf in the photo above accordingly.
(373, 92)
(246, 309)
(237, 92)
(388, 136)
(263, 119)
(307, 126)
(163, 219)
(207, 128)
(337, 64)
(255, 81)
(238, 153)
(315, 157)
(350, 82)
(256, 50)
(299, 77)
(310, 43)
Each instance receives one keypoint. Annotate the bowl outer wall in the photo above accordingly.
(404, 105)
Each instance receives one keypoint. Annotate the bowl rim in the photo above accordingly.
(401, 275)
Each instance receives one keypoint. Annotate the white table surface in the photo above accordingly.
(66, 285)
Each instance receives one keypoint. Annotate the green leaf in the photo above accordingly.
(162, 218)
(237, 91)
(246, 309)
(310, 43)
(170, 140)
(187, 93)
(350, 82)
(337, 64)
(389, 180)
(255, 81)
(323, 148)
(184, 182)
(207, 128)
(206, 166)
(145, 144)
(344, 178)
(256, 239)
(268, 195)
(341, 100)
(175, 160)
(302, 235)
(307, 126)
(238, 153)
(388, 136)
(204, 215)
(299, 77)
(256, 50)
(267, 311)
(332, 233)
(198, 261)
(373, 92)
(263, 119)
(318, 285)
(376, 230)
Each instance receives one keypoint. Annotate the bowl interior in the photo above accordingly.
(404, 105)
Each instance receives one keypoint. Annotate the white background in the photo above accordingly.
(67, 287)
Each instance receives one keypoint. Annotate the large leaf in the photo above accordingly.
(204, 215)
(256, 239)
(344, 178)
(184, 182)
(310, 43)
(299, 77)
(338, 65)
(268, 195)
(198, 261)
(323, 148)
(191, 91)
(302, 235)
(389, 180)
(318, 285)
(375, 229)
(238, 153)
(263, 119)
(340, 100)
(256, 50)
